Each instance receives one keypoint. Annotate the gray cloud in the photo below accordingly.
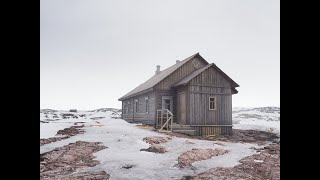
(93, 52)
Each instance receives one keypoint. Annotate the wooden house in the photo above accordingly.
(191, 96)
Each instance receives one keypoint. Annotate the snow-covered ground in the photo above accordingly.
(124, 141)
(260, 118)
(51, 121)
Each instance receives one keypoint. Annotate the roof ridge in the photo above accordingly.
(155, 79)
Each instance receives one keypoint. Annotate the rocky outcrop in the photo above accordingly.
(62, 162)
(265, 165)
(154, 142)
(156, 139)
(66, 133)
(155, 148)
(71, 131)
(189, 157)
(51, 140)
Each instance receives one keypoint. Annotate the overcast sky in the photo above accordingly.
(95, 51)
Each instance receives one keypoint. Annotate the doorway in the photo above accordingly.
(182, 108)
(167, 103)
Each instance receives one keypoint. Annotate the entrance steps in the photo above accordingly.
(183, 129)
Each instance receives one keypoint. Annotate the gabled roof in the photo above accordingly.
(188, 78)
(148, 85)
(192, 75)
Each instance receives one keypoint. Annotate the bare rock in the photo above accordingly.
(218, 143)
(71, 131)
(222, 174)
(127, 166)
(51, 140)
(67, 133)
(189, 142)
(265, 165)
(155, 148)
(189, 157)
(156, 139)
(62, 162)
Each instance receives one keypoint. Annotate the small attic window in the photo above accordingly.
(195, 62)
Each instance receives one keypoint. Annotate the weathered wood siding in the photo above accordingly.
(210, 83)
(179, 74)
(183, 89)
(141, 116)
(172, 93)
(205, 131)
(164, 88)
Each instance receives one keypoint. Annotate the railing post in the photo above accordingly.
(171, 124)
(161, 119)
(157, 119)
(169, 119)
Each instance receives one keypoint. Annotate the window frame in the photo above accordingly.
(124, 108)
(128, 107)
(195, 62)
(136, 103)
(215, 103)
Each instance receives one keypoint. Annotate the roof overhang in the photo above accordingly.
(136, 94)
(234, 91)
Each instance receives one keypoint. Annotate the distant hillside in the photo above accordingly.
(261, 118)
(54, 115)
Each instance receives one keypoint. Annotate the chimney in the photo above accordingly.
(158, 69)
(177, 61)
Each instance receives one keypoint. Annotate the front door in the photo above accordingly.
(167, 103)
(182, 108)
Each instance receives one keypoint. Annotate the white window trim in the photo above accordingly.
(215, 103)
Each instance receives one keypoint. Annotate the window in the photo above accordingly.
(195, 62)
(212, 103)
(124, 108)
(136, 105)
(147, 104)
(167, 104)
(128, 107)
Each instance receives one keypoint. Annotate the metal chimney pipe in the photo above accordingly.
(158, 69)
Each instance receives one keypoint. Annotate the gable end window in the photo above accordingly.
(195, 62)
(212, 103)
